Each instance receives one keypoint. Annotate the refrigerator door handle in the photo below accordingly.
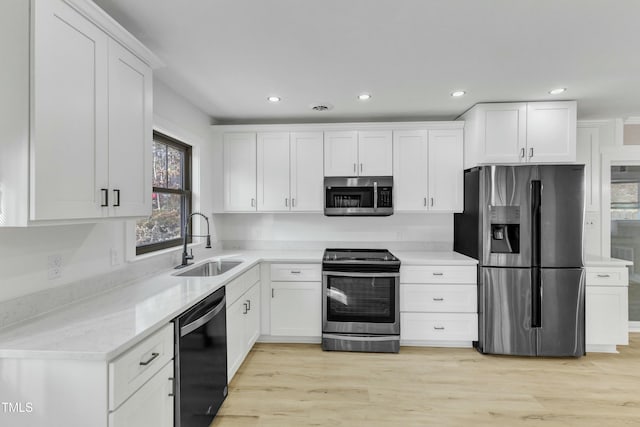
(536, 298)
(536, 202)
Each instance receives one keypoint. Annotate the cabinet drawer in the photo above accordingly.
(438, 298)
(438, 326)
(241, 284)
(607, 276)
(438, 274)
(131, 370)
(296, 272)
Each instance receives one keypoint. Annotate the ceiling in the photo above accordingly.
(228, 56)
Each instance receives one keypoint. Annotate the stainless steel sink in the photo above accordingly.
(211, 268)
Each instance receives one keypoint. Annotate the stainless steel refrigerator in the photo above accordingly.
(524, 225)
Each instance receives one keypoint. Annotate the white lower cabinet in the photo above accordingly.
(151, 406)
(606, 309)
(243, 318)
(296, 300)
(438, 306)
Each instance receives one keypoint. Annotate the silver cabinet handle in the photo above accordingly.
(153, 357)
(354, 168)
(438, 274)
(360, 167)
(273, 293)
(105, 198)
(293, 202)
(253, 203)
(439, 328)
(295, 271)
(286, 202)
(432, 202)
(530, 152)
(173, 387)
(246, 309)
(425, 201)
(248, 305)
(116, 196)
(603, 275)
(522, 153)
(438, 299)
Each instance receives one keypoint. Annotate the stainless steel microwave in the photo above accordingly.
(358, 196)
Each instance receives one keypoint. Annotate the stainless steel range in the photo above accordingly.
(360, 304)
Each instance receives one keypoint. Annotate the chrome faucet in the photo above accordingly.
(185, 255)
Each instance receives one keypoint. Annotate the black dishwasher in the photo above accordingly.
(201, 361)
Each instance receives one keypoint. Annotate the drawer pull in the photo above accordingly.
(438, 299)
(246, 309)
(173, 387)
(249, 304)
(153, 357)
(295, 272)
(604, 275)
(438, 274)
(439, 328)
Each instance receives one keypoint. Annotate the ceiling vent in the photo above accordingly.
(321, 107)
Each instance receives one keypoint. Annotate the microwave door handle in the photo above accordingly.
(375, 195)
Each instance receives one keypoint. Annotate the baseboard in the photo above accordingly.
(601, 348)
(289, 340)
(431, 343)
(634, 326)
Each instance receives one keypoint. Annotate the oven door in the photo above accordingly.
(361, 303)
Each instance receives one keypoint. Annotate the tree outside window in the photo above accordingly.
(171, 197)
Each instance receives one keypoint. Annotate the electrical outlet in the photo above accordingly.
(115, 257)
(54, 266)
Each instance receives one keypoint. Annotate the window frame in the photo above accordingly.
(186, 192)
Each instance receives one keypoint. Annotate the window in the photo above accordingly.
(625, 192)
(171, 197)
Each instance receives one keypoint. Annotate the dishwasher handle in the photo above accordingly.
(190, 327)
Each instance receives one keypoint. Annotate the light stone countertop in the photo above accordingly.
(599, 261)
(103, 327)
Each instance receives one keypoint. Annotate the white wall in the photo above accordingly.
(316, 231)
(86, 249)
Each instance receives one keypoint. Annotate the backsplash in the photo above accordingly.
(291, 231)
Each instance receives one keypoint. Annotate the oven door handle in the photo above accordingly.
(186, 329)
(356, 274)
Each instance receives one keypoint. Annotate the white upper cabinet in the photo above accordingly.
(239, 151)
(130, 133)
(508, 133)
(551, 132)
(446, 174)
(410, 187)
(375, 153)
(70, 106)
(82, 144)
(306, 171)
(273, 171)
(428, 170)
(363, 153)
(341, 153)
(588, 152)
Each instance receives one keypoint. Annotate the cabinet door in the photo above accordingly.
(236, 342)
(551, 132)
(239, 172)
(606, 315)
(410, 170)
(446, 181)
(306, 172)
(69, 147)
(588, 152)
(273, 172)
(375, 153)
(341, 153)
(252, 318)
(130, 133)
(504, 132)
(151, 406)
(296, 309)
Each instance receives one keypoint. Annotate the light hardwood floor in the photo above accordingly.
(300, 385)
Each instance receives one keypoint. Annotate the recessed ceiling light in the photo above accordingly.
(364, 96)
(273, 99)
(557, 91)
(458, 93)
